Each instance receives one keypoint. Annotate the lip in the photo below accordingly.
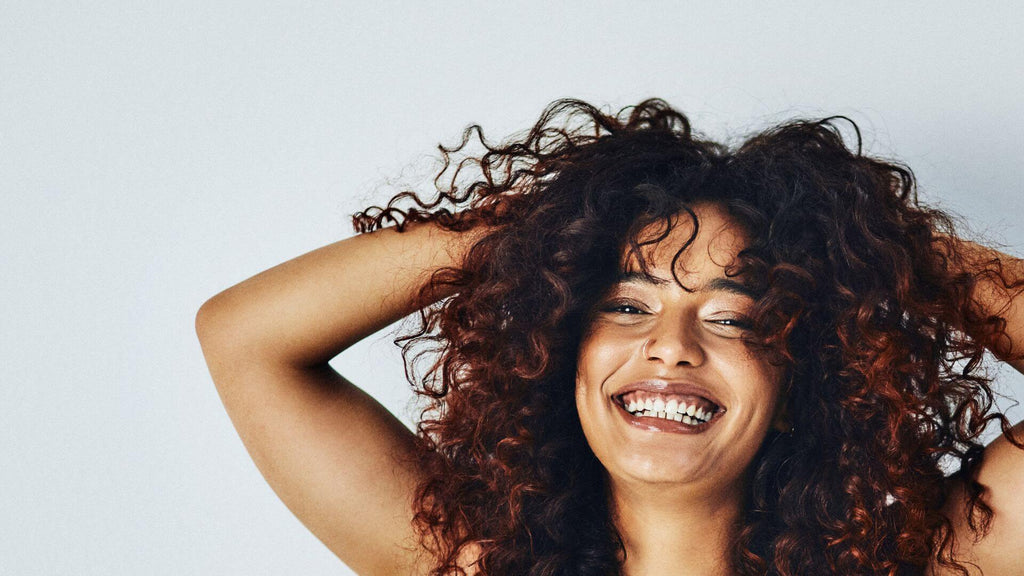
(662, 386)
(662, 425)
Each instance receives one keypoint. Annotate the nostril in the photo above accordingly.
(675, 351)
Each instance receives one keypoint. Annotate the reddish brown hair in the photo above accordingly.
(864, 298)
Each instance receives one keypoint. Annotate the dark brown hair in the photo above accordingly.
(865, 299)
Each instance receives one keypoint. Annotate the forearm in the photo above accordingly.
(999, 292)
(307, 310)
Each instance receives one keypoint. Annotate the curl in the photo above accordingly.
(865, 299)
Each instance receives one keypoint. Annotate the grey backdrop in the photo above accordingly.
(152, 155)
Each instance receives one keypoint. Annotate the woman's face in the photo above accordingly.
(655, 353)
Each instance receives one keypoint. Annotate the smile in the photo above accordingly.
(667, 413)
(673, 409)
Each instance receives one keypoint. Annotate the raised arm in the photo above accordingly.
(1002, 468)
(1003, 297)
(334, 455)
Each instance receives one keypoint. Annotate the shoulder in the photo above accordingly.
(469, 559)
(1002, 473)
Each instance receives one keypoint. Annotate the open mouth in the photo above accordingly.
(657, 408)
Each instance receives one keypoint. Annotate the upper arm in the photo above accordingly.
(337, 458)
(1002, 474)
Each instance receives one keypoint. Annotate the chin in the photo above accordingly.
(654, 470)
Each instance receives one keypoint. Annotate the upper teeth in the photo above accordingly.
(671, 410)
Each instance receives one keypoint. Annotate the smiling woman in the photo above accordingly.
(651, 354)
(666, 340)
(671, 398)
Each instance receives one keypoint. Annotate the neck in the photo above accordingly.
(674, 531)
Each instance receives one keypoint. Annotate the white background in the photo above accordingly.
(153, 155)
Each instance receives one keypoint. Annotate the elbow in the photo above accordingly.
(221, 349)
(205, 319)
(226, 331)
(213, 323)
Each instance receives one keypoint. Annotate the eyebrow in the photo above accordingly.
(714, 285)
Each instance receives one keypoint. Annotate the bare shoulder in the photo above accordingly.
(1000, 552)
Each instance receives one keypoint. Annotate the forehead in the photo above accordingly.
(698, 248)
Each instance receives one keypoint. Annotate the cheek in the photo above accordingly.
(767, 388)
(768, 378)
(605, 347)
(758, 381)
(589, 375)
(587, 409)
(599, 359)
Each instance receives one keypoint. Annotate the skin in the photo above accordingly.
(669, 488)
(338, 459)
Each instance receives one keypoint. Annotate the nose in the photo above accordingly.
(673, 344)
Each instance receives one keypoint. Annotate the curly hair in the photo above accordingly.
(865, 300)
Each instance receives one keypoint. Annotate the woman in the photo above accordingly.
(652, 355)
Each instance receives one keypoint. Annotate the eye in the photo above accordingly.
(628, 308)
(729, 324)
(741, 323)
